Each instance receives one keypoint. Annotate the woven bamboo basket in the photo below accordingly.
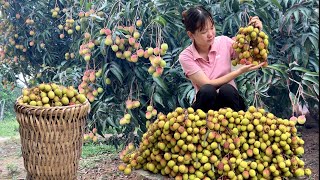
(51, 139)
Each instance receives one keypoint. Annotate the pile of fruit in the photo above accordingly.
(251, 45)
(51, 94)
(224, 144)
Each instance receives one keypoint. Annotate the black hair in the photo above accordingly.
(195, 18)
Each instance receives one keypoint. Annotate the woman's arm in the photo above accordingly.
(201, 79)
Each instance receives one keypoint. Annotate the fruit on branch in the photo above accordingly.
(251, 46)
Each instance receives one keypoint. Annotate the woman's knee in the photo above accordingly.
(206, 98)
(227, 89)
(208, 89)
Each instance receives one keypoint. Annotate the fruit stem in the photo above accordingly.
(138, 91)
(135, 16)
(255, 103)
(151, 100)
(146, 30)
(246, 16)
(297, 95)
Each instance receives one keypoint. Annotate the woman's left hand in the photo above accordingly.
(255, 21)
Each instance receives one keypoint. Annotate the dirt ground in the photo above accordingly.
(311, 156)
(105, 166)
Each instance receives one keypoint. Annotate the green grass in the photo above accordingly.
(90, 149)
(12, 169)
(9, 128)
(92, 154)
(110, 130)
(94, 161)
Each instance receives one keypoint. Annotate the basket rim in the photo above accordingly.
(53, 107)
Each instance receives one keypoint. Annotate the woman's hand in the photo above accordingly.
(255, 21)
(250, 67)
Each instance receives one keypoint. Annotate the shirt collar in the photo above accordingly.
(214, 48)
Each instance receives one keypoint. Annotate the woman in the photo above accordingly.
(207, 62)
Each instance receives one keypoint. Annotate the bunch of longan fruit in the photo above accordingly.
(251, 45)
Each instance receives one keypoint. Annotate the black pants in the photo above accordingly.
(208, 98)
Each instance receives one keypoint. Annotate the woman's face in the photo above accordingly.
(204, 37)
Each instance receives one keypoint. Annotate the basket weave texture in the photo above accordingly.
(51, 139)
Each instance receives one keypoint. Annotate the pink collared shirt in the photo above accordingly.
(219, 63)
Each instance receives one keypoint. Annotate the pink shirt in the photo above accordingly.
(219, 63)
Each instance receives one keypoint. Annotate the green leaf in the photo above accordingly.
(311, 79)
(161, 83)
(115, 69)
(286, 3)
(316, 89)
(266, 71)
(293, 97)
(242, 82)
(171, 103)
(275, 2)
(186, 90)
(160, 20)
(139, 73)
(302, 69)
(311, 74)
(250, 89)
(101, 125)
(181, 102)
(182, 86)
(97, 17)
(110, 121)
(235, 5)
(286, 47)
(230, 26)
(262, 13)
(311, 89)
(296, 16)
(128, 10)
(108, 99)
(228, 6)
(158, 99)
(314, 41)
(282, 73)
(296, 51)
(105, 4)
(133, 118)
(226, 22)
(191, 96)
(88, 6)
(315, 64)
(103, 47)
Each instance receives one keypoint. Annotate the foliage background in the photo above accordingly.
(8, 95)
(290, 81)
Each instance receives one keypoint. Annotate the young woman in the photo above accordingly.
(207, 62)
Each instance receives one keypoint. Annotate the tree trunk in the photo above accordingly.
(2, 103)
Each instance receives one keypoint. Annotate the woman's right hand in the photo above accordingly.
(250, 67)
